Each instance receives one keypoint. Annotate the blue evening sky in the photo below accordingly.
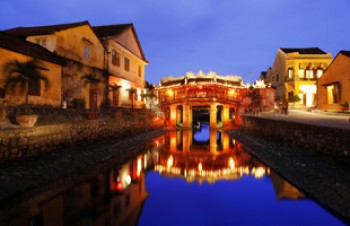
(231, 37)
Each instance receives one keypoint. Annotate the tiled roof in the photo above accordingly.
(344, 52)
(115, 29)
(31, 49)
(110, 30)
(43, 30)
(314, 50)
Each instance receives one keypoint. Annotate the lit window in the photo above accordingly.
(319, 72)
(310, 73)
(86, 52)
(126, 64)
(301, 73)
(290, 73)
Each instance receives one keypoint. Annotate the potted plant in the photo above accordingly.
(93, 81)
(345, 106)
(22, 75)
(78, 103)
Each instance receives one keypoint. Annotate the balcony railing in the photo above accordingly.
(228, 100)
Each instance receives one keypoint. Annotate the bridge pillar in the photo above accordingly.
(212, 141)
(172, 115)
(187, 117)
(213, 116)
(226, 115)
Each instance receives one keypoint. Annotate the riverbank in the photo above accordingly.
(56, 171)
(325, 179)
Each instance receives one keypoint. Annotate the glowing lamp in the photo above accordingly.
(200, 166)
(170, 161)
(231, 163)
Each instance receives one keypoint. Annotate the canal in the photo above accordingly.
(193, 177)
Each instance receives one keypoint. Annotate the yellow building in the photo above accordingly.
(83, 51)
(125, 62)
(12, 48)
(333, 90)
(295, 71)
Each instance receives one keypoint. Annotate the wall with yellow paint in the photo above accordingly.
(337, 73)
(49, 96)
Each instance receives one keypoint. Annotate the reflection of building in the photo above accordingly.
(186, 99)
(114, 197)
(216, 158)
(283, 189)
(295, 72)
(334, 87)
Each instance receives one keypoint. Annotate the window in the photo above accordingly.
(126, 64)
(333, 94)
(86, 52)
(140, 72)
(319, 72)
(34, 87)
(277, 77)
(310, 73)
(301, 73)
(41, 41)
(115, 58)
(290, 73)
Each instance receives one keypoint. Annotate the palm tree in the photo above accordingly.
(114, 88)
(93, 80)
(131, 92)
(24, 74)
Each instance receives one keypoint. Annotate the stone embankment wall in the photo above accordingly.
(23, 142)
(317, 139)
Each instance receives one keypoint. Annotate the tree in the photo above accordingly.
(150, 98)
(114, 88)
(132, 91)
(93, 80)
(24, 74)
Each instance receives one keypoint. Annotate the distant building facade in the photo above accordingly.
(295, 71)
(125, 63)
(334, 85)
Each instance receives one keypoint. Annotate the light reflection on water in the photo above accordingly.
(194, 177)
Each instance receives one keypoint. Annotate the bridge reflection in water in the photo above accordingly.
(194, 177)
(206, 155)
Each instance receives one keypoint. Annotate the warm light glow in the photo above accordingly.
(170, 92)
(231, 163)
(232, 92)
(139, 167)
(125, 85)
(170, 161)
(138, 95)
(258, 172)
(128, 179)
(200, 167)
(157, 142)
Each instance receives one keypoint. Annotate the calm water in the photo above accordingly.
(198, 177)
